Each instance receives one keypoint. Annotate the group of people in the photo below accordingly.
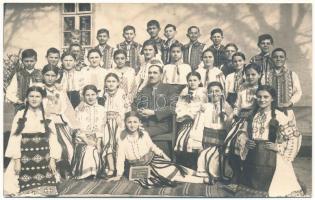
(99, 113)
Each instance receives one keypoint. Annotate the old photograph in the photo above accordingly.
(157, 99)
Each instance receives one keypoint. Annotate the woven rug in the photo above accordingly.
(125, 188)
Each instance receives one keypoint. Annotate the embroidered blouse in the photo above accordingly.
(212, 115)
(33, 124)
(95, 76)
(72, 80)
(92, 119)
(245, 98)
(233, 82)
(132, 148)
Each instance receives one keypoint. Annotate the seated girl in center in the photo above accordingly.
(136, 147)
(88, 159)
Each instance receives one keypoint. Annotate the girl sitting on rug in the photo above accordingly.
(136, 147)
(271, 144)
(33, 149)
(59, 108)
(116, 105)
(217, 116)
(87, 159)
(189, 112)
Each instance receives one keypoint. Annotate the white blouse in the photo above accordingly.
(32, 125)
(230, 81)
(132, 148)
(117, 102)
(95, 76)
(176, 73)
(245, 98)
(92, 119)
(212, 115)
(214, 74)
(72, 80)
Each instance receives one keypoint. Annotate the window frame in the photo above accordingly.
(77, 16)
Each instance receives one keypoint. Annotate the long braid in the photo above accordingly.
(273, 124)
(21, 121)
(46, 122)
(250, 120)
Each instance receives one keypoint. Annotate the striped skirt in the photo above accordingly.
(184, 141)
(86, 161)
(161, 171)
(65, 139)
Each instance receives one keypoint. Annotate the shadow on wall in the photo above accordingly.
(289, 24)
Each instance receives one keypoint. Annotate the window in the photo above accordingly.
(77, 16)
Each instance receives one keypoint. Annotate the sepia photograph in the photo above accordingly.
(157, 100)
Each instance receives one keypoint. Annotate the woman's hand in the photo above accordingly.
(52, 165)
(116, 178)
(250, 144)
(17, 166)
(271, 146)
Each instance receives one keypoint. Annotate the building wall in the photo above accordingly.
(38, 26)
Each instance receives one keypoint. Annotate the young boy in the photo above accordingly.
(131, 47)
(76, 50)
(176, 72)
(193, 50)
(217, 48)
(53, 57)
(106, 50)
(153, 29)
(16, 91)
(169, 33)
(265, 43)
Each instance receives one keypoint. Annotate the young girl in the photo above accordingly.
(176, 72)
(116, 105)
(217, 117)
(95, 74)
(87, 159)
(208, 71)
(72, 80)
(149, 50)
(126, 74)
(136, 147)
(188, 110)
(33, 149)
(271, 144)
(235, 79)
(59, 108)
(243, 108)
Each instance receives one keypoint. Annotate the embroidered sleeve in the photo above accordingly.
(297, 91)
(289, 141)
(13, 149)
(11, 93)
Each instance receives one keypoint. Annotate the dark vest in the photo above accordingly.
(195, 54)
(24, 78)
(133, 58)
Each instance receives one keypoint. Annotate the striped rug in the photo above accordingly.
(125, 188)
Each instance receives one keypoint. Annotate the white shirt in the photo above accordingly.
(176, 73)
(214, 74)
(95, 76)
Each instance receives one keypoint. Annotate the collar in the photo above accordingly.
(30, 71)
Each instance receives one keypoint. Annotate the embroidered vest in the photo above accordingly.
(265, 63)
(194, 58)
(218, 55)
(107, 54)
(24, 79)
(133, 58)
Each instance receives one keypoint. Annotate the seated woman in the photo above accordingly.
(87, 160)
(268, 145)
(116, 105)
(189, 112)
(33, 149)
(59, 108)
(217, 117)
(136, 147)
